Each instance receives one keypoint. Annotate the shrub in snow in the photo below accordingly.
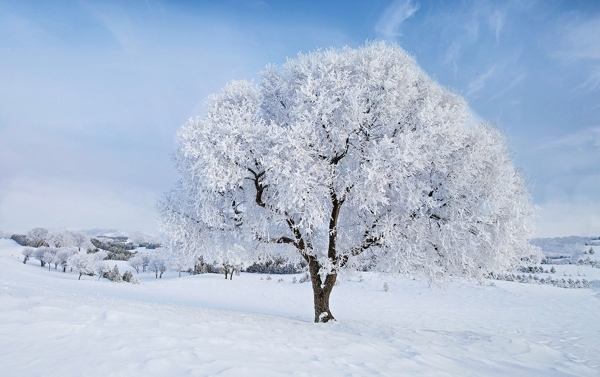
(386, 287)
(552, 270)
(345, 158)
(270, 264)
(127, 276)
(305, 278)
(114, 275)
(280, 280)
(269, 277)
(589, 262)
(27, 253)
(528, 279)
(294, 280)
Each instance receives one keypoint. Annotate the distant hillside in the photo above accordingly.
(572, 247)
(117, 235)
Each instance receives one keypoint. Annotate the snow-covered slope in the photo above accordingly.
(51, 324)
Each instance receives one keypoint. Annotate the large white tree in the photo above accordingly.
(349, 158)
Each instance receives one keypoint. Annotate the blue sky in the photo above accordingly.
(92, 93)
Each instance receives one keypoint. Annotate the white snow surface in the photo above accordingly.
(51, 324)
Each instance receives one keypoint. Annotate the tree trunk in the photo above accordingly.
(81, 273)
(225, 271)
(321, 293)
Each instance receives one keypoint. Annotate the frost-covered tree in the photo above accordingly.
(101, 268)
(99, 255)
(38, 236)
(48, 257)
(62, 257)
(40, 254)
(232, 259)
(136, 262)
(82, 263)
(61, 238)
(349, 159)
(146, 261)
(80, 240)
(27, 253)
(157, 264)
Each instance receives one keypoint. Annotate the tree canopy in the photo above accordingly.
(349, 159)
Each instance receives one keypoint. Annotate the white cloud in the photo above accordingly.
(393, 17)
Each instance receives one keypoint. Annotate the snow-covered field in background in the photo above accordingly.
(51, 324)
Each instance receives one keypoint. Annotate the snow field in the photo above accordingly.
(203, 325)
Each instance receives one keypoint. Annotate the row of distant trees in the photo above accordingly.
(75, 251)
(38, 237)
(93, 262)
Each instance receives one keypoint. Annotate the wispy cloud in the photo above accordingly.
(480, 82)
(589, 138)
(580, 43)
(453, 52)
(117, 22)
(393, 17)
(593, 81)
(581, 40)
(496, 22)
(513, 84)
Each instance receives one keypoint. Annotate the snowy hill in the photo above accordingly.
(204, 325)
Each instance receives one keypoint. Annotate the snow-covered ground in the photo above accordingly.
(51, 324)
